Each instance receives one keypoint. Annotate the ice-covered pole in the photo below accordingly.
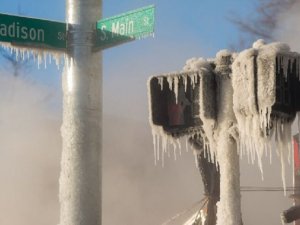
(229, 206)
(80, 178)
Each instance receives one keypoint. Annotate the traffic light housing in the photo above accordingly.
(178, 115)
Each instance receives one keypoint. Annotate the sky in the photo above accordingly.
(183, 29)
(190, 23)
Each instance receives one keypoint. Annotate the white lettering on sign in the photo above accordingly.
(15, 30)
(103, 36)
(61, 36)
(125, 29)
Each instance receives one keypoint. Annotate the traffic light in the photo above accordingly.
(175, 101)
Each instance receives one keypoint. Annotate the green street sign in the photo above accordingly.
(125, 27)
(32, 32)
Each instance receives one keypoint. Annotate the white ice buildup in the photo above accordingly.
(162, 140)
(197, 75)
(196, 64)
(39, 55)
(207, 100)
(254, 84)
(240, 112)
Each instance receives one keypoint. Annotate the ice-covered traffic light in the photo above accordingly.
(175, 102)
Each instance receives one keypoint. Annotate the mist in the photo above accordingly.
(30, 150)
(288, 29)
(134, 190)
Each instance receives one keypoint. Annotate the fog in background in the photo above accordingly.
(135, 192)
(30, 151)
(288, 29)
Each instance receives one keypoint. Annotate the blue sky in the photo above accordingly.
(201, 21)
(183, 29)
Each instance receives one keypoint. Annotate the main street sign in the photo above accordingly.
(125, 27)
(32, 32)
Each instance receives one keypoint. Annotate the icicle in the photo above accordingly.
(193, 78)
(38, 55)
(162, 143)
(288, 139)
(285, 66)
(161, 82)
(179, 146)
(170, 82)
(185, 83)
(196, 160)
(154, 148)
(176, 81)
(186, 144)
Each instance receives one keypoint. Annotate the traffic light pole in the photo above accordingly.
(80, 179)
(229, 206)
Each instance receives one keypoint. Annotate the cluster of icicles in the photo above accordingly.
(284, 62)
(39, 56)
(256, 128)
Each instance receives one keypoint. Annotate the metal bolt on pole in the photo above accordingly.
(80, 178)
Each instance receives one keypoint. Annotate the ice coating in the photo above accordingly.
(197, 71)
(162, 141)
(195, 64)
(243, 122)
(258, 44)
(253, 112)
(206, 101)
(39, 55)
(229, 206)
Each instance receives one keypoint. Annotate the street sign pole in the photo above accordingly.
(80, 179)
(82, 38)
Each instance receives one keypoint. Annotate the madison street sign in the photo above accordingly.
(32, 32)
